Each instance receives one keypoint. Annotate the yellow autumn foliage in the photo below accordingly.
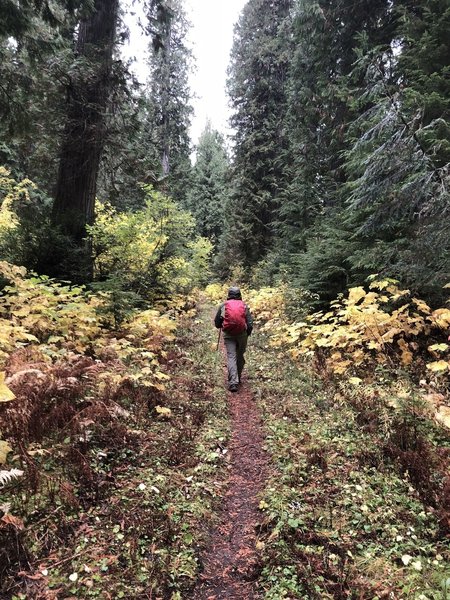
(268, 305)
(5, 449)
(438, 366)
(216, 292)
(56, 320)
(6, 395)
(152, 252)
(12, 192)
(369, 327)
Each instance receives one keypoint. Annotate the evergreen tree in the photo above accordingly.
(84, 133)
(209, 191)
(35, 54)
(321, 111)
(325, 36)
(424, 64)
(169, 95)
(128, 157)
(257, 88)
(398, 162)
(17, 19)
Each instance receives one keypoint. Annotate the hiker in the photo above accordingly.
(236, 322)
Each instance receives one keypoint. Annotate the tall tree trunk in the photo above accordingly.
(84, 133)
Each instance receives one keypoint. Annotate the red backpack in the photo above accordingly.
(234, 321)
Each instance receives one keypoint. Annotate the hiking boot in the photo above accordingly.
(233, 387)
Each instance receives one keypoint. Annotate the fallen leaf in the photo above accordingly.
(6, 395)
(163, 411)
(438, 366)
(5, 449)
(435, 399)
(14, 521)
(438, 347)
(443, 416)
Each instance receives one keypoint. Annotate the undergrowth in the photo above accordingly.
(114, 444)
(118, 443)
(358, 507)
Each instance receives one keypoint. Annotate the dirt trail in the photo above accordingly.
(231, 561)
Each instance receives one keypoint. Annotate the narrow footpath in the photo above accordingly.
(329, 513)
(230, 562)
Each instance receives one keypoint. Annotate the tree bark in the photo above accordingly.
(84, 133)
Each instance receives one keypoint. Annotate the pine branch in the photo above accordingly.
(406, 123)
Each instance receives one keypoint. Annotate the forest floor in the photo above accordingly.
(294, 488)
(230, 561)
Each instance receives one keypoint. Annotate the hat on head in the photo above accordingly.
(234, 293)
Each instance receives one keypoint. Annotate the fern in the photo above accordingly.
(8, 476)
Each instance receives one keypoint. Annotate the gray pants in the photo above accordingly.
(235, 346)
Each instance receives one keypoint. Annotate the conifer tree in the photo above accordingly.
(169, 95)
(424, 64)
(84, 134)
(325, 36)
(35, 56)
(208, 195)
(311, 230)
(257, 88)
(398, 163)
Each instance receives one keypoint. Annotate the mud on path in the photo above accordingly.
(230, 561)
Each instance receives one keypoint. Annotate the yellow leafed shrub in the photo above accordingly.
(216, 292)
(11, 192)
(40, 311)
(268, 305)
(152, 252)
(383, 325)
(58, 320)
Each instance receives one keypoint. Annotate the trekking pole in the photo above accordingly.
(218, 340)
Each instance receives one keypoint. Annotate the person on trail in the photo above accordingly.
(235, 320)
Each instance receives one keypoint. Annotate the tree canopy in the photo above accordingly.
(338, 162)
